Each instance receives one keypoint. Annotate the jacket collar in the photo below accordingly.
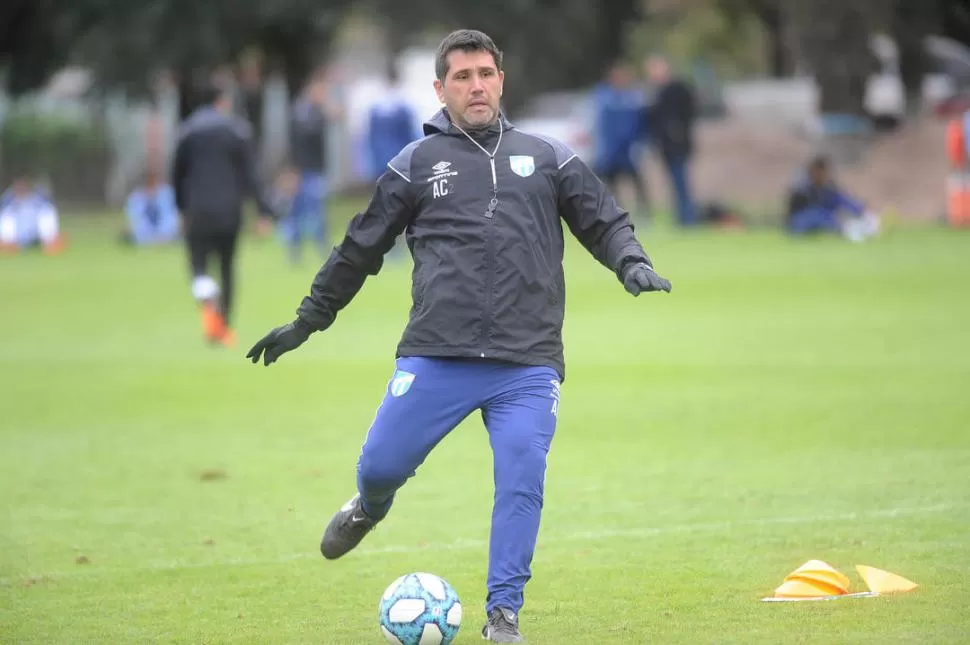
(441, 123)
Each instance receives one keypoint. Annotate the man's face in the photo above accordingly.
(21, 187)
(472, 88)
(819, 175)
(318, 91)
(657, 70)
(621, 76)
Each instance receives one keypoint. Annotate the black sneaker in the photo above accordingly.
(346, 529)
(502, 626)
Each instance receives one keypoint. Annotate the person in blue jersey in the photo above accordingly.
(391, 125)
(29, 219)
(816, 204)
(151, 213)
(619, 127)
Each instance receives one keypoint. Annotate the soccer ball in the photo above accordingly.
(420, 609)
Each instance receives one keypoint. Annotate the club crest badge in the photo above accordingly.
(522, 165)
(401, 383)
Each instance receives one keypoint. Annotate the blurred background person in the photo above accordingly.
(670, 121)
(310, 119)
(151, 213)
(618, 105)
(214, 173)
(817, 205)
(29, 218)
(391, 125)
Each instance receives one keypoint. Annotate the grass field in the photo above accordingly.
(787, 401)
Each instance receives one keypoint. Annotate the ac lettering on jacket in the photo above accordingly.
(439, 179)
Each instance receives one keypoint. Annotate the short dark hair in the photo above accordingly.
(210, 93)
(467, 40)
(819, 162)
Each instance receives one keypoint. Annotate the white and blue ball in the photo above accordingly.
(420, 609)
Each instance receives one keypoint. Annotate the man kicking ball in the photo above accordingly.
(483, 206)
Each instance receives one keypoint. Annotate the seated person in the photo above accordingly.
(28, 218)
(815, 205)
(152, 215)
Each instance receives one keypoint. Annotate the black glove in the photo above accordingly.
(640, 277)
(279, 341)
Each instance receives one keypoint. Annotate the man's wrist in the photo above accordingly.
(303, 326)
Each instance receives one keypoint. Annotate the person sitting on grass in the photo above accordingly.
(29, 219)
(816, 204)
(152, 215)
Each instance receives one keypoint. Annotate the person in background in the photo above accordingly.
(618, 125)
(214, 173)
(152, 215)
(312, 114)
(391, 125)
(286, 186)
(671, 119)
(816, 204)
(29, 219)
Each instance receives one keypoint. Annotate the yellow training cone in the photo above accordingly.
(806, 589)
(823, 573)
(881, 581)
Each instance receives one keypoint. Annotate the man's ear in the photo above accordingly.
(439, 89)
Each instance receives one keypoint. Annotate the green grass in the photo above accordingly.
(788, 401)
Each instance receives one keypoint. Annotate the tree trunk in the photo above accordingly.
(913, 20)
(833, 37)
(777, 52)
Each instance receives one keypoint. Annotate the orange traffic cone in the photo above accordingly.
(881, 582)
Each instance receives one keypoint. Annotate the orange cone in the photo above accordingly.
(881, 582)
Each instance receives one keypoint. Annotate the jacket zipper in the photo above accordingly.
(490, 216)
(490, 254)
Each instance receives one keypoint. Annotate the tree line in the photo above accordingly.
(549, 44)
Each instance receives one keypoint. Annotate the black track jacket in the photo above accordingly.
(483, 217)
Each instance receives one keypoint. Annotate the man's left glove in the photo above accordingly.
(279, 341)
(640, 277)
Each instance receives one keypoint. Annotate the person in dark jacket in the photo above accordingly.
(213, 174)
(671, 127)
(482, 205)
(310, 122)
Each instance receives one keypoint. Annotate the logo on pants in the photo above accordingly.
(401, 383)
(555, 398)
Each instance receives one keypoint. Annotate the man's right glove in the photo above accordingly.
(640, 277)
(279, 341)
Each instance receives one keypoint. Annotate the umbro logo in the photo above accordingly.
(439, 180)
